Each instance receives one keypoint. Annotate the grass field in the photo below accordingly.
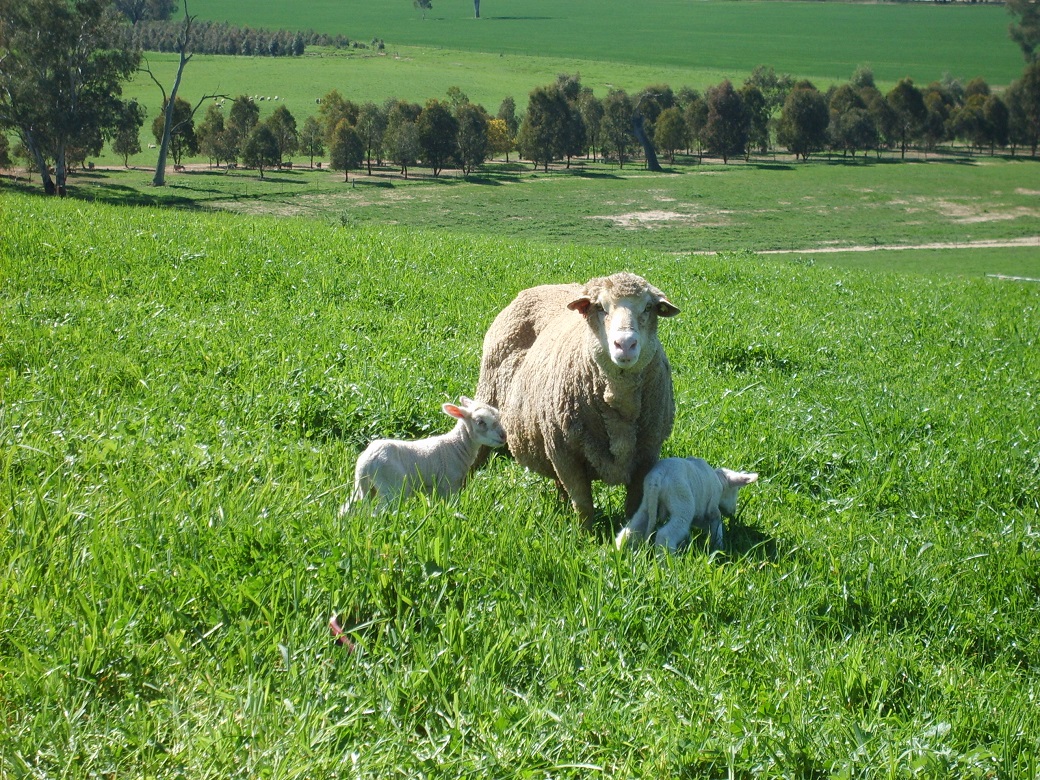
(823, 41)
(182, 396)
(810, 210)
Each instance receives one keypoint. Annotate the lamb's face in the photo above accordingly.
(624, 319)
(487, 426)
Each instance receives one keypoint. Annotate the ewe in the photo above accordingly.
(681, 490)
(584, 386)
(389, 469)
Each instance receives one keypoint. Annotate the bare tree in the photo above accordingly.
(183, 48)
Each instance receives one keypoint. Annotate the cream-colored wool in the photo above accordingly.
(390, 469)
(679, 491)
(583, 384)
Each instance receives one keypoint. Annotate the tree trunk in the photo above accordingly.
(476, 8)
(648, 148)
(159, 180)
(60, 173)
(41, 164)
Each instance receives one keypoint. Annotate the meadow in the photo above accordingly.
(183, 394)
(820, 212)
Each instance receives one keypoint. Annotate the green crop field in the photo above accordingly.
(182, 397)
(824, 41)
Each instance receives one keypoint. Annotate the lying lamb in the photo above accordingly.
(389, 469)
(682, 490)
(583, 383)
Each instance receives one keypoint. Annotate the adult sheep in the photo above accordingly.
(583, 384)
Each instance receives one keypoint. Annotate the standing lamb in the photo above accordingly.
(389, 469)
(583, 383)
(682, 490)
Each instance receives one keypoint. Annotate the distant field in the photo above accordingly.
(821, 41)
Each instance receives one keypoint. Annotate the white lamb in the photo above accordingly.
(679, 491)
(390, 469)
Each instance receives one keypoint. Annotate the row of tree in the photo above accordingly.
(564, 120)
(224, 38)
(63, 62)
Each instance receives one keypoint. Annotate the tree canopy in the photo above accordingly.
(61, 74)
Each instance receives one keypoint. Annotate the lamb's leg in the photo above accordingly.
(635, 532)
(714, 529)
(677, 528)
(673, 532)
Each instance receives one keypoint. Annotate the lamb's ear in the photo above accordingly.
(580, 305)
(736, 478)
(465, 402)
(454, 411)
(665, 308)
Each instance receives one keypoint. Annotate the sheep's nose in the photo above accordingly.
(626, 348)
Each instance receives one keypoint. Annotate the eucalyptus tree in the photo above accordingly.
(347, 151)
(726, 132)
(616, 126)
(542, 136)
(908, 103)
(803, 121)
(438, 131)
(371, 125)
(472, 137)
(283, 126)
(62, 67)
(1026, 30)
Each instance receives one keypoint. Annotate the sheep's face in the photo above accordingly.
(622, 311)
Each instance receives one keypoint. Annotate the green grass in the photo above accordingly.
(182, 396)
(824, 41)
(768, 205)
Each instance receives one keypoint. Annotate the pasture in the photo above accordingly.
(821, 41)
(183, 394)
(827, 213)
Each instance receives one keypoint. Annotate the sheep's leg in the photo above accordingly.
(578, 486)
(634, 488)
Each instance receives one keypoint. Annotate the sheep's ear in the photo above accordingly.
(665, 308)
(465, 402)
(454, 411)
(580, 305)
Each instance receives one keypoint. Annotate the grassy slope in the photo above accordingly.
(181, 398)
(768, 205)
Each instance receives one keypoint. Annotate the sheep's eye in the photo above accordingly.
(481, 424)
(649, 306)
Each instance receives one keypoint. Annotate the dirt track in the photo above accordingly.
(983, 244)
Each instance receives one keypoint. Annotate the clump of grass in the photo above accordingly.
(183, 396)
